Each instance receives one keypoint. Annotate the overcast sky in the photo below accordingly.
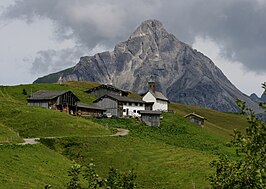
(38, 37)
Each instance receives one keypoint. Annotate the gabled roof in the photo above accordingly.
(196, 115)
(120, 98)
(107, 86)
(90, 106)
(47, 95)
(157, 95)
(149, 112)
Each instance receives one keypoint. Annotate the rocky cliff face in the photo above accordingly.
(183, 74)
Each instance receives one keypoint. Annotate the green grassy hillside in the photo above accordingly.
(39, 122)
(8, 135)
(32, 166)
(174, 155)
(220, 123)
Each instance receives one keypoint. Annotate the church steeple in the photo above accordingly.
(152, 86)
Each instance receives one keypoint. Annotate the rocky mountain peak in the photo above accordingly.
(181, 73)
(148, 27)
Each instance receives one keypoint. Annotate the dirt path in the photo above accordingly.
(29, 141)
(120, 132)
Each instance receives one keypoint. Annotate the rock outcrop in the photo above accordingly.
(183, 74)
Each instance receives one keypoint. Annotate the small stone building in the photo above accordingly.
(150, 118)
(64, 101)
(195, 118)
(106, 89)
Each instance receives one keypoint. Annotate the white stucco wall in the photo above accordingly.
(149, 97)
(131, 109)
(158, 104)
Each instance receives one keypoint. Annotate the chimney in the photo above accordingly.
(151, 86)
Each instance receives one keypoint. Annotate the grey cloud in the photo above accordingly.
(48, 61)
(239, 26)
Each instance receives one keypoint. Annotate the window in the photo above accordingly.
(134, 111)
(130, 104)
(124, 110)
(140, 104)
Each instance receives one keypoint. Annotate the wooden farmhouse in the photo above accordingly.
(85, 110)
(64, 101)
(120, 105)
(150, 118)
(106, 89)
(195, 118)
(160, 102)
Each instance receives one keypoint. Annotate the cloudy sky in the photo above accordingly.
(38, 37)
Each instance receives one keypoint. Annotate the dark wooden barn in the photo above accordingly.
(106, 89)
(150, 118)
(85, 110)
(195, 118)
(64, 101)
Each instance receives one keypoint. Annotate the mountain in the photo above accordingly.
(183, 74)
(263, 97)
(255, 97)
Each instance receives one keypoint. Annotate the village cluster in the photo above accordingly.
(110, 102)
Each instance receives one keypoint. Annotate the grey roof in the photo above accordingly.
(90, 106)
(149, 112)
(46, 95)
(159, 95)
(120, 98)
(196, 115)
(108, 86)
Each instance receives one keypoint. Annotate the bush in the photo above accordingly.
(114, 180)
(249, 170)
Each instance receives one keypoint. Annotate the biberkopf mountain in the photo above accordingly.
(183, 74)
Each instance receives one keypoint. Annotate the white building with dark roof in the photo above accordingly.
(160, 102)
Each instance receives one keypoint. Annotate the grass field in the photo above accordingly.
(175, 155)
(157, 165)
(32, 166)
(8, 136)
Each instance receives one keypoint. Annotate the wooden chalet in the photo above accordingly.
(64, 101)
(195, 118)
(106, 89)
(120, 105)
(85, 110)
(150, 118)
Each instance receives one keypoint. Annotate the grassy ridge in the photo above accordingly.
(14, 93)
(220, 123)
(40, 122)
(32, 166)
